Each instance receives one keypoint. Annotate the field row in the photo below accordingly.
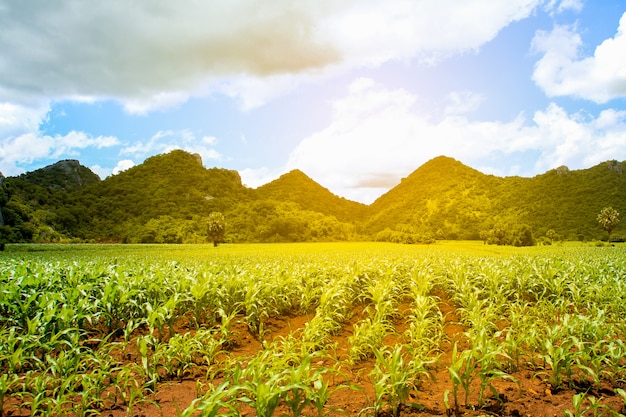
(84, 331)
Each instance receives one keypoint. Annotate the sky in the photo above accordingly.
(355, 93)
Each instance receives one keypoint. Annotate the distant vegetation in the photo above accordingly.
(169, 198)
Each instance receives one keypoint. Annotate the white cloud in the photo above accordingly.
(373, 32)
(255, 177)
(377, 137)
(16, 119)
(100, 171)
(155, 55)
(122, 165)
(560, 6)
(167, 140)
(562, 71)
(32, 146)
(462, 102)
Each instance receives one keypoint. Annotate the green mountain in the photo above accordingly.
(450, 200)
(298, 188)
(66, 175)
(41, 205)
(169, 197)
(165, 189)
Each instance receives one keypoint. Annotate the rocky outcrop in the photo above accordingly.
(67, 175)
(614, 165)
(562, 170)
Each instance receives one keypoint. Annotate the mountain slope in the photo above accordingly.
(169, 197)
(569, 201)
(298, 188)
(446, 198)
(41, 205)
(66, 175)
(175, 185)
(443, 195)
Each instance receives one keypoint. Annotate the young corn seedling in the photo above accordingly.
(425, 329)
(8, 384)
(560, 359)
(216, 402)
(487, 354)
(145, 348)
(261, 392)
(129, 387)
(395, 378)
(622, 395)
(299, 381)
(367, 338)
(461, 372)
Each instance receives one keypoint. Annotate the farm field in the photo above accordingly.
(316, 329)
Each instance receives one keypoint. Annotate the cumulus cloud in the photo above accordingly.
(563, 71)
(560, 6)
(377, 137)
(16, 119)
(28, 147)
(373, 32)
(255, 177)
(461, 102)
(167, 140)
(156, 54)
(122, 165)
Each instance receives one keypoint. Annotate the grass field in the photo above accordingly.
(312, 329)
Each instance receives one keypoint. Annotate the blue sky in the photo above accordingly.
(357, 94)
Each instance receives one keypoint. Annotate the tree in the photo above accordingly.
(608, 219)
(552, 235)
(216, 227)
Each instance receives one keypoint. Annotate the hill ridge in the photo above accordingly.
(168, 196)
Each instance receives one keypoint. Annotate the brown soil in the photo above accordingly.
(532, 397)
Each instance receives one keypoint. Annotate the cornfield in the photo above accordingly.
(312, 330)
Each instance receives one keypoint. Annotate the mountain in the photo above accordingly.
(66, 175)
(169, 197)
(443, 194)
(298, 188)
(171, 186)
(452, 200)
(38, 205)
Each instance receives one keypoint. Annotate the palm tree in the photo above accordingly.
(608, 219)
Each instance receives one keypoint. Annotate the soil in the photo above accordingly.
(532, 397)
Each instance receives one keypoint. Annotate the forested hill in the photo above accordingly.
(297, 187)
(454, 201)
(169, 197)
(166, 199)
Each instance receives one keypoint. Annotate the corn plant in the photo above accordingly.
(622, 395)
(614, 369)
(329, 316)
(201, 296)
(461, 371)
(146, 345)
(425, 329)
(217, 401)
(488, 353)
(368, 336)
(262, 391)
(395, 378)
(128, 387)
(8, 384)
(298, 385)
(182, 352)
(561, 360)
(578, 406)
(160, 316)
